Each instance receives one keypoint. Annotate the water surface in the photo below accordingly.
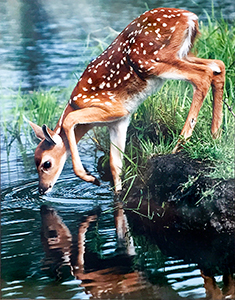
(43, 42)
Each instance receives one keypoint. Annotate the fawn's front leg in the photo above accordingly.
(70, 130)
(118, 132)
(89, 116)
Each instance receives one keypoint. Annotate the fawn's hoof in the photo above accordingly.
(96, 181)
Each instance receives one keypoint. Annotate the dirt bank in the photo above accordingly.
(187, 214)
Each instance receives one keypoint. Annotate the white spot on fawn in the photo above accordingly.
(102, 85)
(128, 75)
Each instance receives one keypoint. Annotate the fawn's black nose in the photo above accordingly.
(43, 189)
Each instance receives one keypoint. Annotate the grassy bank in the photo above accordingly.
(171, 105)
(156, 125)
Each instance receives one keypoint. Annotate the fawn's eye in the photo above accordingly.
(47, 165)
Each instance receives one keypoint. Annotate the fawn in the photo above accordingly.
(151, 49)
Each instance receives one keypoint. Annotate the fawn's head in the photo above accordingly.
(50, 156)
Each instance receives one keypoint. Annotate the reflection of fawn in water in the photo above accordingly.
(214, 292)
(100, 277)
(111, 276)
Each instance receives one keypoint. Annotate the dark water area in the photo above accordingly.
(44, 44)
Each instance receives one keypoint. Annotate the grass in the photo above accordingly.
(41, 107)
(156, 125)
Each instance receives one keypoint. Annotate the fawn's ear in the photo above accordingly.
(37, 130)
(45, 133)
(51, 136)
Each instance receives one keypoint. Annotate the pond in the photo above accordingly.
(28, 271)
(43, 45)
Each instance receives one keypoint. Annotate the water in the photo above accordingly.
(25, 263)
(44, 44)
(28, 272)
